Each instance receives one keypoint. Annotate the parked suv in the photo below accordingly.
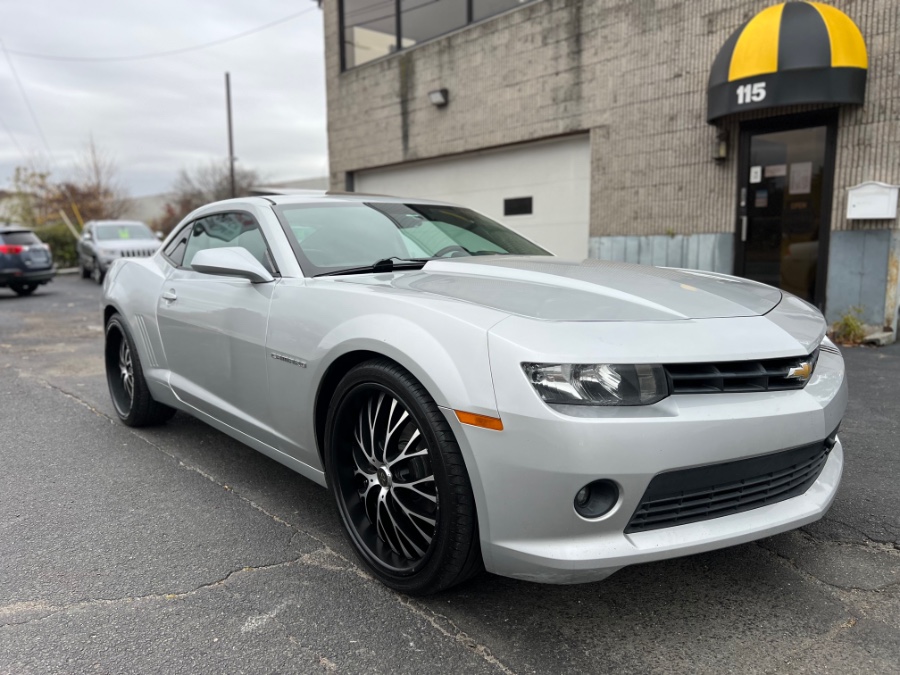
(102, 241)
(25, 261)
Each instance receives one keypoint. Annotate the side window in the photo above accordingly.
(175, 250)
(227, 229)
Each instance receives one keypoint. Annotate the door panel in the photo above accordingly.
(214, 335)
(785, 201)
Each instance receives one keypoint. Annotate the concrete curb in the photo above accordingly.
(69, 270)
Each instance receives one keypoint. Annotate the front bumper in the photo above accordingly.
(525, 477)
(17, 275)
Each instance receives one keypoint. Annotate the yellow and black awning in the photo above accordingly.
(789, 54)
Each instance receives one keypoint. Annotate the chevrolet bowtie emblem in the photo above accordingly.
(801, 372)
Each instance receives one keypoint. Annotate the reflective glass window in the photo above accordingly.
(227, 229)
(331, 237)
(422, 20)
(370, 30)
(481, 9)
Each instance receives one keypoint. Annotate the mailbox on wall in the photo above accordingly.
(872, 201)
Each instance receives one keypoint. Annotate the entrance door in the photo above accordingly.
(784, 213)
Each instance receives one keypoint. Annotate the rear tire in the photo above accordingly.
(128, 389)
(399, 481)
(85, 272)
(24, 289)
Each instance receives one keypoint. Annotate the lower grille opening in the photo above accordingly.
(706, 492)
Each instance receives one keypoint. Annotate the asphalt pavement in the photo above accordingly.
(179, 550)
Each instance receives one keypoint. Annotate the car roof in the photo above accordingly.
(9, 229)
(314, 197)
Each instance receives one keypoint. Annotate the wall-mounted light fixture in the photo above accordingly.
(439, 97)
(720, 149)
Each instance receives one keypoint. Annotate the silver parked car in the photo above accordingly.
(104, 241)
(472, 401)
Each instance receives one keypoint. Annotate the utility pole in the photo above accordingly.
(230, 134)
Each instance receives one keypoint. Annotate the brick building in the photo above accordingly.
(715, 134)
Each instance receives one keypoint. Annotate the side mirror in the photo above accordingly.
(231, 261)
(87, 236)
(159, 235)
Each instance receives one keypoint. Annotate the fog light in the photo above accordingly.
(596, 499)
(582, 497)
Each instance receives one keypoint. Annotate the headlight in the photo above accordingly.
(598, 384)
(107, 252)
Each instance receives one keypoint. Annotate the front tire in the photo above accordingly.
(399, 481)
(128, 389)
(97, 273)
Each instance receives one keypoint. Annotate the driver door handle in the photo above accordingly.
(169, 296)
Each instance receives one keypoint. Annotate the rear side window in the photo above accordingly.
(20, 238)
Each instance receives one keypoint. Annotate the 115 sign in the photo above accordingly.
(751, 93)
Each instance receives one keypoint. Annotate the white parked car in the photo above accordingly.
(104, 241)
(472, 401)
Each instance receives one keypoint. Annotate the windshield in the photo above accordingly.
(19, 238)
(122, 231)
(328, 238)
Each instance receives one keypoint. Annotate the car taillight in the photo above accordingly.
(11, 249)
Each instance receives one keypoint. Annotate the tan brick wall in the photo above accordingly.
(632, 72)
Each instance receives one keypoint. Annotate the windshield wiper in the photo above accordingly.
(383, 265)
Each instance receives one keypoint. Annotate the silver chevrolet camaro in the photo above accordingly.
(472, 401)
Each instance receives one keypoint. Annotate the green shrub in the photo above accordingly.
(61, 242)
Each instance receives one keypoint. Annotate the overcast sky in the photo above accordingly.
(158, 115)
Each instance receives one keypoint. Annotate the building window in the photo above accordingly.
(422, 20)
(482, 9)
(376, 28)
(370, 30)
(517, 206)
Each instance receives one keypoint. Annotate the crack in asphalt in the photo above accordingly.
(52, 610)
(453, 632)
(436, 620)
(869, 539)
(792, 564)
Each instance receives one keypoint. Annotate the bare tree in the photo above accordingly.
(207, 183)
(97, 175)
(93, 191)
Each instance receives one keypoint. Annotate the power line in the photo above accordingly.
(154, 55)
(15, 141)
(31, 112)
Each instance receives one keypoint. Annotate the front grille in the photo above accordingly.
(737, 376)
(138, 253)
(716, 490)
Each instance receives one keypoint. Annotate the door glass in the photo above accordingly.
(227, 229)
(784, 209)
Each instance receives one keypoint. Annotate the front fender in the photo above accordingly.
(456, 372)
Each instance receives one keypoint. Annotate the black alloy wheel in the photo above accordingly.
(128, 389)
(399, 481)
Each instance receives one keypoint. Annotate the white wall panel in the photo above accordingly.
(556, 174)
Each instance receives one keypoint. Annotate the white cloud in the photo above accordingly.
(156, 116)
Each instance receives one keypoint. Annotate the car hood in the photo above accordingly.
(556, 289)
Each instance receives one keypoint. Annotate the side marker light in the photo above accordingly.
(483, 421)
